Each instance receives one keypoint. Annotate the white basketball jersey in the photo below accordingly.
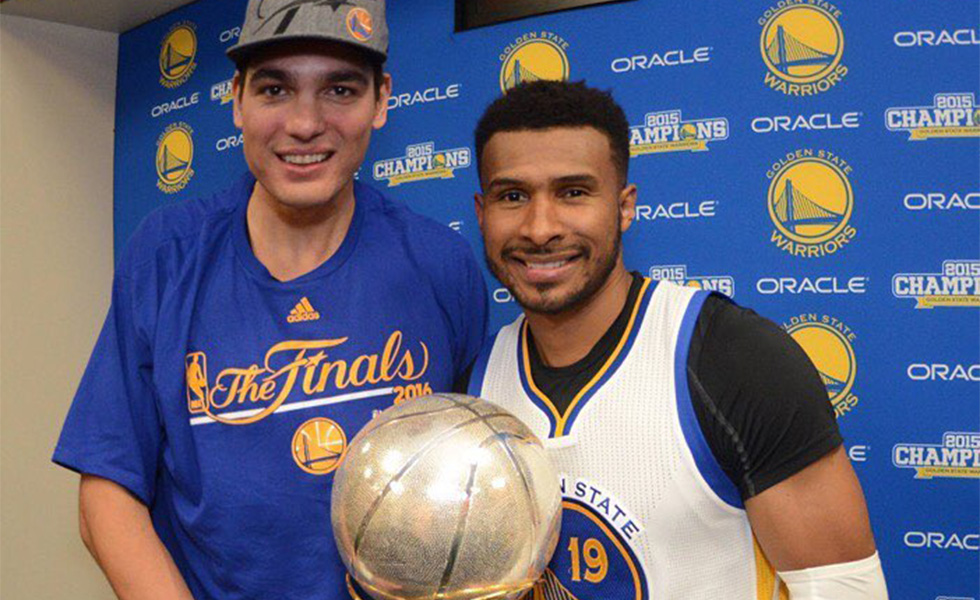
(648, 512)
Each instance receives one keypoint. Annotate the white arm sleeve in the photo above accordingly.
(858, 580)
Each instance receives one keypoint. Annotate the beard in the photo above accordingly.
(541, 301)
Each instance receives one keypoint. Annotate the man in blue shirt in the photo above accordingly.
(252, 334)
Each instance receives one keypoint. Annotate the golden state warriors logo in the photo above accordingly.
(802, 46)
(359, 24)
(532, 57)
(810, 203)
(177, 52)
(829, 344)
(319, 446)
(175, 153)
(593, 559)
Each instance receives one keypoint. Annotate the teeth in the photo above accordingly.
(304, 159)
(547, 265)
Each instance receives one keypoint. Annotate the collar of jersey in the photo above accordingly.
(561, 425)
(362, 196)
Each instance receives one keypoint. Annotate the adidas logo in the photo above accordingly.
(303, 311)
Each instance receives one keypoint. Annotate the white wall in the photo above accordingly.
(57, 88)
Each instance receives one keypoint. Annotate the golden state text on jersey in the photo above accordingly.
(802, 45)
(594, 559)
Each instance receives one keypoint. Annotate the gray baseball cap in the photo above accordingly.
(359, 23)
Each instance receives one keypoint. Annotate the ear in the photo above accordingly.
(627, 207)
(236, 92)
(478, 207)
(381, 107)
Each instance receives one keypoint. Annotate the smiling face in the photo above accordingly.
(552, 214)
(306, 111)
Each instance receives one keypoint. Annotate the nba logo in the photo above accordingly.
(196, 370)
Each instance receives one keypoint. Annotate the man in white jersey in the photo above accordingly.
(699, 454)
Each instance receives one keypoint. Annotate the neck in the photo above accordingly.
(568, 337)
(291, 241)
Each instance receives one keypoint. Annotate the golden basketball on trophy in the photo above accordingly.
(446, 496)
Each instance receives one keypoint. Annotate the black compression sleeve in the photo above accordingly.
(759, 400)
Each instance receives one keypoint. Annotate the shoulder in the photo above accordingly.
(734, 347)
(172, 231)
(736, 328)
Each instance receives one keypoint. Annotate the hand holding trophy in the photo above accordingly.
(446, 497)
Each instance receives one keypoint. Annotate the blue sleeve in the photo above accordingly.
(473, 312)
(113, 429)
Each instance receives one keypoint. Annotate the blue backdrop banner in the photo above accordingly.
(818, 162)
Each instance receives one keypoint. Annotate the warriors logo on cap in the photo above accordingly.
(359, 24)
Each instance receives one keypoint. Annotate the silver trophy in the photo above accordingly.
(446, 496)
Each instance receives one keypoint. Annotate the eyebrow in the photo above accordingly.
(576, 178)
(504, 181)
(580, 178)
(338, 76)
(263, 73)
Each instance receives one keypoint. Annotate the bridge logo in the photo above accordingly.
(810, 203)
(175, 153)
(534, 56)
(422, 161)
(957, 286)
(829, 344)
(802, 47)
(952, 115)
(666, 131)
(319, 446)
(177, 53)
(724, 284)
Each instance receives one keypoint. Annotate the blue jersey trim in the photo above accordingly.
(561, 425)
(705, 461)
(479, 371)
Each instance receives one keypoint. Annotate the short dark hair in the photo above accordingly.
(377, 71)
(547, 104)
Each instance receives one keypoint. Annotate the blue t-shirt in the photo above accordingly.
(224, 399)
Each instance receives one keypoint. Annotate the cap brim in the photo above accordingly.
(239, 52)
